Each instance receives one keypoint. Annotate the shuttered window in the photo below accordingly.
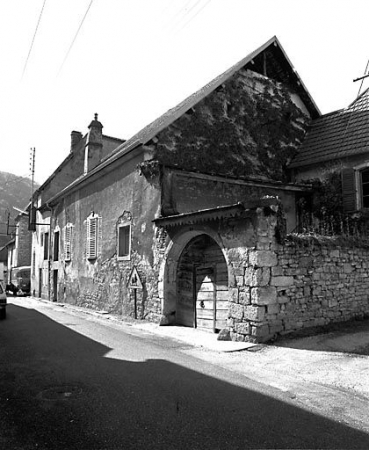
(92, 233)
(124, 241)
(68, 242)
(349, 190)
(365, 188)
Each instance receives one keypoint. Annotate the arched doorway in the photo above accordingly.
(202, 285)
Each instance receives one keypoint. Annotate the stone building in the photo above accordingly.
(336, 150)
(85, 151)
(182, 223)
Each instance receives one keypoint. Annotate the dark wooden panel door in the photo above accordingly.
(185, 314)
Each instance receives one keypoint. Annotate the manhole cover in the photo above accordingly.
(62, 392)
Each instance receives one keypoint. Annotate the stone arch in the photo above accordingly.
(168, 277)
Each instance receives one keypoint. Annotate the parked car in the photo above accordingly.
(20, 281)
(3, 301)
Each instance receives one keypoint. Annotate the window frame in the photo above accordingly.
(46, 246)
(56, 246)
(120, 226)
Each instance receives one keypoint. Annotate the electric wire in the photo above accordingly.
(362, 81)
(196, 14)
(186, 11)
(33, 39)
(75, 36)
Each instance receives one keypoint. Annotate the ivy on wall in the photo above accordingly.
(247, 127)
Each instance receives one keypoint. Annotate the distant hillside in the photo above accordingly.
(14, 191)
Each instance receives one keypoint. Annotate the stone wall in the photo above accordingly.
(249, 126)
(297, 283)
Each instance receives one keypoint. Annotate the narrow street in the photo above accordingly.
(69, 380)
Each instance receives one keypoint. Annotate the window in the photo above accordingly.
(355, 188)
(56, 246)
(46, 246)
(68, 242)
(124, 241)
(92, 233)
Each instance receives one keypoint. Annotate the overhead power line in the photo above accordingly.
(194, 15)
(75, 37)
(362, 78)
(33, 39)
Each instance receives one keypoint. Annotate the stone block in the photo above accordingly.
(257, 277)
(263, 258)
(263, 295)
(224, 335)
(260, 331)
(306, 261)
(282, 281)
(242, 328)
(233, 295)
(334, 254)
(244, 297)
(347, 268)
(277, 271)
(273, 309)
(236, 311)
(283, 299)
(255, 313)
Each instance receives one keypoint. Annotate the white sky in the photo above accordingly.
(134, 59)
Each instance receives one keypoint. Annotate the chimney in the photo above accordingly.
(93, 148)
(75, 137)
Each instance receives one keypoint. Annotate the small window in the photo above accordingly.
(46, 246)
(68, 242)
(124, 241)
(56, 246)
(92, 233)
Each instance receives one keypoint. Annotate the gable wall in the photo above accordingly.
(249, 126)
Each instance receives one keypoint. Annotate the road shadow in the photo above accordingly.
(344, 337)
(62, 390)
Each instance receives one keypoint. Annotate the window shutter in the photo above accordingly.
(67, 242)
(348, 189)
(92, 229)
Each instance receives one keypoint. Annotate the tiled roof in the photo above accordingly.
(280, 68)
(337, 135)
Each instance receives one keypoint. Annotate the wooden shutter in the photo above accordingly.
(67, 242)
(92, 229)
(348, 177)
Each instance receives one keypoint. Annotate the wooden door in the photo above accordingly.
(185, 314)
(205, 297)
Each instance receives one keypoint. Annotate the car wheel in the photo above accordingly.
(2, 314)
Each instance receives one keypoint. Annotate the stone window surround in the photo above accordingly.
(124, 224)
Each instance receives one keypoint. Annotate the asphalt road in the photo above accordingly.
(69, 381)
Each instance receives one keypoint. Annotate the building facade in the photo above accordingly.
(181, 223)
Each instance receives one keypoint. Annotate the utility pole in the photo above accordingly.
(32, 211)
